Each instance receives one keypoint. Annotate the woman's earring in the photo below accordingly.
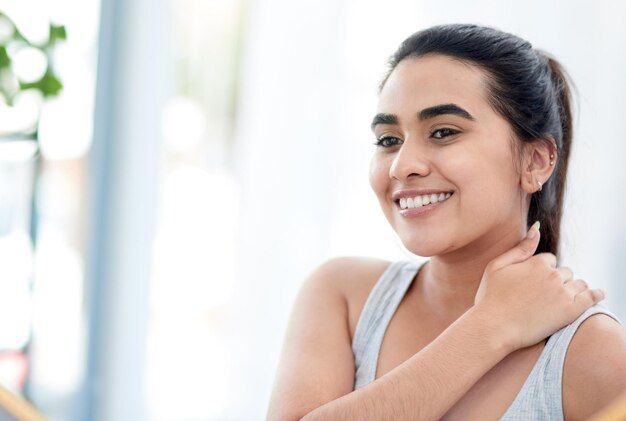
(540, 187)
(551, 159)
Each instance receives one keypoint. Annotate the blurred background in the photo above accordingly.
(158, 215)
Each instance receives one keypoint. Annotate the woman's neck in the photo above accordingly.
(448, 283)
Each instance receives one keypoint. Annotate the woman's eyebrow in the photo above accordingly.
(437, 110)
(425, 114)
(384, 119)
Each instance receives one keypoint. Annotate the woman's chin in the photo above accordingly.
(425, 248)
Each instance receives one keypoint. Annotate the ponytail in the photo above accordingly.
(547, 206)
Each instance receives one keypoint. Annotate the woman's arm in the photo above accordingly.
(429, 383)
(521, 301)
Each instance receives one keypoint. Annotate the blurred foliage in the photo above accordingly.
(11, 41)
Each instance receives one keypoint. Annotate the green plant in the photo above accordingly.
(11, 42)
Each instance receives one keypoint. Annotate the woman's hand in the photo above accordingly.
(527, 297)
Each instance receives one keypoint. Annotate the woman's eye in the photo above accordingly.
(387, 141)
(443, 132)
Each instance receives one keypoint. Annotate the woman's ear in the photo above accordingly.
(538, 163)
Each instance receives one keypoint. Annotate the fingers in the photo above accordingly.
(548, 258)
(589, 297)
(577, 286)
(584, 296)
(597, 295)
(566, 274)
(522, 251)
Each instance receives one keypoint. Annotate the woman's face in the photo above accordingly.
(440, 139)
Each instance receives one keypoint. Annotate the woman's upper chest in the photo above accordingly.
(410, 330)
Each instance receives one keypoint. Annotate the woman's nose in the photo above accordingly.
(411, 160)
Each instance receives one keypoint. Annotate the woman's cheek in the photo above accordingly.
(378, 175)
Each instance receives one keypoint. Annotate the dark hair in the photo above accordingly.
(527, 87)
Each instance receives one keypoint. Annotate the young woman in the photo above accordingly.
(473, 134)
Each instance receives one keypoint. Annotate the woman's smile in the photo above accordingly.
(414, 202)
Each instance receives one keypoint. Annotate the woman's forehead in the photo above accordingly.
(418, 83)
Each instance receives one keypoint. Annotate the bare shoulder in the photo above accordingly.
(594, 373)
(352, 271)
(316, 364)
(355, 277)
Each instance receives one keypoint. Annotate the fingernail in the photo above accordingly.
(534, 230)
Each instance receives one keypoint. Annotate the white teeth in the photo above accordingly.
(418, 201)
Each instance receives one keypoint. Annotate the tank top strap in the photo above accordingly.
(377, 312)
(541, 396)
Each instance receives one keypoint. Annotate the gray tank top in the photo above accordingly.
(541, 395)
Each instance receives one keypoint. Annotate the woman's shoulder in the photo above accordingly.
(354, 277)
(350, 273)
(317, 364)
(594, 372)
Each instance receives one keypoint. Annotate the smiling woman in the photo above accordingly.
(473, 133)
(449, 139)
